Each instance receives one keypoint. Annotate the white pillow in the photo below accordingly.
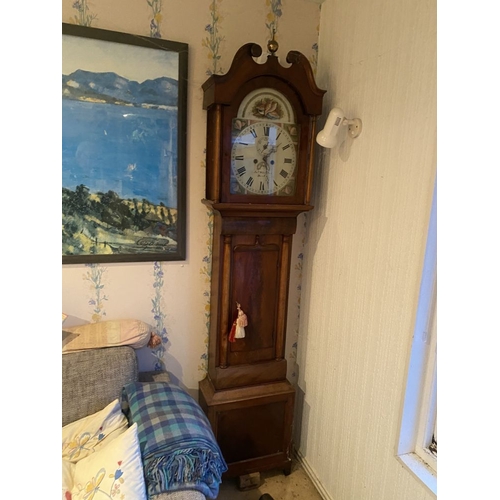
(115, 470)
(86, 435)
(67, 479)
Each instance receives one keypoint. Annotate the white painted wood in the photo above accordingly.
(421, 471)
(428, 409)
(421, 387)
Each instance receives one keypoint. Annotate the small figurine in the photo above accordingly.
(238, 327)
(154, 341)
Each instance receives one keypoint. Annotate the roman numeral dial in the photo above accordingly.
(264, 157)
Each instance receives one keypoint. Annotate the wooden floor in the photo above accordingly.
(295, 486)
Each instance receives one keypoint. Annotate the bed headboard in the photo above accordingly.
(93, 378)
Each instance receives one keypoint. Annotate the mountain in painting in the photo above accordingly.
(111, 88)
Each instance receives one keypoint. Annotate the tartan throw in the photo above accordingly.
(178, 447)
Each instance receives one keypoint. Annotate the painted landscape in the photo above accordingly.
(119, 155)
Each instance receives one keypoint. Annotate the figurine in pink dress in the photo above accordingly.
(238, 327)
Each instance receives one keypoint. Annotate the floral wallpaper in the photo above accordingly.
(96, 284)
(156, 16)
(159, 317)
(83, 15)
(213, 39)
(174, 297)
(272, 17)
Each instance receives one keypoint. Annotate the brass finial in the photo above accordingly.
(272, 45)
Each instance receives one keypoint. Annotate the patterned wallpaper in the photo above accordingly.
(174, 297)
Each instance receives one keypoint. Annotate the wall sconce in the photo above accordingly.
(328, 137)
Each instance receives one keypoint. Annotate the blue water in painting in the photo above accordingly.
(129, 150)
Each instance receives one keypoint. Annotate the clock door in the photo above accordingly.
(254, 285)
(255, 264)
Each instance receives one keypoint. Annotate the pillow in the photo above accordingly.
(86, 435)
(115, 470)
(67, 479)
(130, 332)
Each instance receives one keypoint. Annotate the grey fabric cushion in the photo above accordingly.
(92, 379)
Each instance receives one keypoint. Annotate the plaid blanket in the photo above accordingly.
(178, 446)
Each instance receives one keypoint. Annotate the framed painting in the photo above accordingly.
(124, 101)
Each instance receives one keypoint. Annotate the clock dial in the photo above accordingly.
(263, 157)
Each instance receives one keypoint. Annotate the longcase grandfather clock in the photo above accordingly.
(261, 125)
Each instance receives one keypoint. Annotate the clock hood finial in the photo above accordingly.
(272, 45)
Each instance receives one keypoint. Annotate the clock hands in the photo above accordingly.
(263, 158)
(265, 150)
(262, 171)
(263, 168)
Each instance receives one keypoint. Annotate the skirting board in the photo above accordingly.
(312, 476)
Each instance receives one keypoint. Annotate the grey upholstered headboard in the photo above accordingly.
(92, 379)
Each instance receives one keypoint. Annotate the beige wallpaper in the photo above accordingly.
(174, 296)
(365, 249)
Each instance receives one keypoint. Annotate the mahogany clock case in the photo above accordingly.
(246, 396)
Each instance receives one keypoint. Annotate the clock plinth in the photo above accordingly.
(261, 125)
(253, 425)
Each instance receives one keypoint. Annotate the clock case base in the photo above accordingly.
(252, 425)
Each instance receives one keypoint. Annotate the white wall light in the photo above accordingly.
(328, 137)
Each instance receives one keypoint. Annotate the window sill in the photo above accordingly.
(421, 470)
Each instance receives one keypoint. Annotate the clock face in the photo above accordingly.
(263, 157)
